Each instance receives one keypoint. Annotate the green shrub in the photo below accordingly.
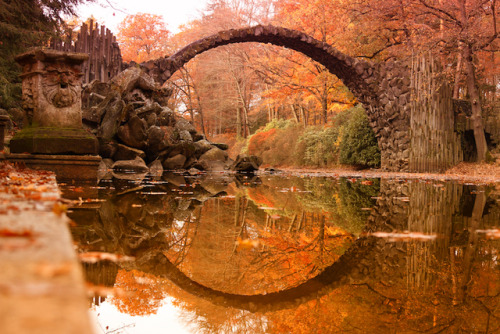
(359, 146)
(320, 146)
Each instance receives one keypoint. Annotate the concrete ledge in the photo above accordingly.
(41, 283)
(66, 167)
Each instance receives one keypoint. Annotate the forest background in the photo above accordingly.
(272, 101)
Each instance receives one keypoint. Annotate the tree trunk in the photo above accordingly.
(476, 118)
(238, 123)
(295, 114)
(458, 72)
(246, 128)
(304, 116)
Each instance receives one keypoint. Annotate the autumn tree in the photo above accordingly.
(458, 32)
(219, 85)
(143, 37)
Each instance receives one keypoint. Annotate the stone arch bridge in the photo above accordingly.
(383, 88)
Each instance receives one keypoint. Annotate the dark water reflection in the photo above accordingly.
(275, 254)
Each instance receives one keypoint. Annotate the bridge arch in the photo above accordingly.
(352, 71)
(343, 271)
(379, 87)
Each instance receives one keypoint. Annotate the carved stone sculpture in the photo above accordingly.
(51, 83)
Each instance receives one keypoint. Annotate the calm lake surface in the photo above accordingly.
(274, 254)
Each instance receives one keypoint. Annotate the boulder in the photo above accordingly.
(124, 152)
(156, 168)
(148, 109)
(184, 147)
(157, 140)
(183, 125)
(133, 133)
(132, 78)
(201, 147)
(185, 136)
(221, 146)
(174, 178)
(112, 110)
(94, 93)
(104, 170)
(198, 137)
(166, 117)
(136, 166)
(151, 119)
(175, 162)
(107, 148)
(246, 163)
(214, 159)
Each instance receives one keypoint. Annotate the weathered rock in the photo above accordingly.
(214, 186)
(174, 178)
(156, 168)
(185, 136)
(132, 78)
(201, 147)
(158, 140)
(246, 163)
(214, 159)
(185, 148)
(148, 109)
(94, 93)
(152, 119)
(133, 133)
(137, 166)
(198, 137)
(112, 111)
(124, 152)
(166, 117)
(104, 170)
(182, 124)
(107, 148)
(221, 146)
(175, 162)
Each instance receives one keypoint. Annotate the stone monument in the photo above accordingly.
(54, 136)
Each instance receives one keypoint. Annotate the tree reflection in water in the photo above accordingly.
(296, 255)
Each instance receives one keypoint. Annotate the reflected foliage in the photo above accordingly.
(233, 238)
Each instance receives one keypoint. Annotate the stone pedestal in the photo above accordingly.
(54, 138)
(51, 82)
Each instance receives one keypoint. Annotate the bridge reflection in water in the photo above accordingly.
(275, 254)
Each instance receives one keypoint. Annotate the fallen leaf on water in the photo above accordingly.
(93, 257)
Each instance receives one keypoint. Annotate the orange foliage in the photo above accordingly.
(259, 142)
(143, 37)
(145, 292)
(256, 195)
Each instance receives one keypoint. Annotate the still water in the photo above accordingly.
(274, 254)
